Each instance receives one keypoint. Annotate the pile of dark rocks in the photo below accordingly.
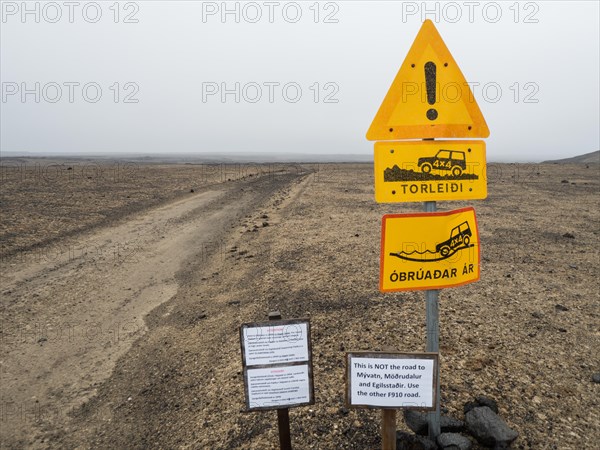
(481, 422)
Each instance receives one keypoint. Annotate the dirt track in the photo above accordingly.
(70, 313)
(205, 264)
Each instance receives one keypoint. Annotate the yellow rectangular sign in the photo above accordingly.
(429, 250)
(423, 171)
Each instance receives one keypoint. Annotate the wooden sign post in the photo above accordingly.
(388, 429)
(390, 381)
(283, 414)
(277, 363)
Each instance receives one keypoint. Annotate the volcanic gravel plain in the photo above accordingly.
(124, 286)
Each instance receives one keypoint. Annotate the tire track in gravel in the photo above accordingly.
(67, 319)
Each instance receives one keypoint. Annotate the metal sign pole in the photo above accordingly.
(433, 344)
(413, 124)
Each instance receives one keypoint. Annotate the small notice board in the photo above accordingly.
(277, 363)
(391, 380)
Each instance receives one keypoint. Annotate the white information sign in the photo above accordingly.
(277, 362)
(278, 386)
(274, 344)
(391, 380)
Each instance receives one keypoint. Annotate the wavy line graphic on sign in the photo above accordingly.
(460, 238)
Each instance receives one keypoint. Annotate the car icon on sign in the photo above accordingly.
(451, 160)
(460, 236)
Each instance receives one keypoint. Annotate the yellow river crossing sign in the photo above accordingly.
(423, 171)
(429, 250)
(429, 98)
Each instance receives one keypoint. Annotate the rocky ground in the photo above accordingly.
(46, 199)
(526, 334)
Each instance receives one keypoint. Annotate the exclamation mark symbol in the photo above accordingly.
(430, 85)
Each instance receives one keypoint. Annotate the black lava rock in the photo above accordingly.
(449, 441)
(481, 400)
(417, 421)
(489, 429)
(408, 441)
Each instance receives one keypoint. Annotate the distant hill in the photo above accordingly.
(593, 157)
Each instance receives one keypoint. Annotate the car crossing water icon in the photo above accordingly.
(460, 238)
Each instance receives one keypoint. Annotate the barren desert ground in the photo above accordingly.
(124, 286)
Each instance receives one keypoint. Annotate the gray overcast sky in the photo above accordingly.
(300, 77)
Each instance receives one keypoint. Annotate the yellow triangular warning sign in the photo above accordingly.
(429, 97)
